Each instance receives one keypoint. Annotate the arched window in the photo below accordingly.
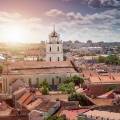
(58, 48)
(53, 81)
(30, 81)
(50, 48)
(0, 87)
(58, 59)
(59, 80)
(50, 58)
(37, 83)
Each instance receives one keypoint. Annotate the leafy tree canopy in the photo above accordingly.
(75, 79)
(111, 59)
(83, 101)
(45, 87)
(67, 88)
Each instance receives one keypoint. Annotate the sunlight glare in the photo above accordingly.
(15, 33)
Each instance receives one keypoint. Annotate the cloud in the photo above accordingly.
(77, 17)
(33, 27)
(103, 26)
(94, 3)
(66, 0)
(59, 15)
(97, 26)
(104, 3)
(100, 3)
(54, 12)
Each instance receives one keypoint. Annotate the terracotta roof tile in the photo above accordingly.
(72, 114)
(24, 97)
(101, 78)
(38, 64)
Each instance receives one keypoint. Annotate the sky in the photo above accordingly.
(33, 20)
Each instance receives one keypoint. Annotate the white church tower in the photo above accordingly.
(54, 48)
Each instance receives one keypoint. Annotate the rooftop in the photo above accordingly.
(5, 110)
(102, 114)
(72, 114)
(35, 101)
(101, 102)
(104, 78)
(22, 65)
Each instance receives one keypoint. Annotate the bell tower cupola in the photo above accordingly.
(54, 47)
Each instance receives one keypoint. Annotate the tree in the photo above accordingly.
(112, 87)
(68, 80)
(81, 118)
(118, 49)
(112, 59)
(44, 83)
(83, 101)
(45, 87)
(101, 59)
(45, 90)
(67, 88)
(75, 79)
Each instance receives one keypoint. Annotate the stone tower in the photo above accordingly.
(54, 48)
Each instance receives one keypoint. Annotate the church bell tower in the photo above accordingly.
(54, 48)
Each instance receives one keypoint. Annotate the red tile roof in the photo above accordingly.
(72, 114)
(34, 67)
(34, 104)
(28, 100)
(34, 52)
(38, 64)
(24, 97)
(96, 78)
(45, 105)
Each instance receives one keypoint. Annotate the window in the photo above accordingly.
(58, 48)
(53, 81)
(0, 87)
(50, 48)
(59, 80)
(58, 59)
(50, 58)
(30, 81)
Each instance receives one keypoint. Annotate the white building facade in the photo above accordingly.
(54, 48)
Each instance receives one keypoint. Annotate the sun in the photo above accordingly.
(14, 33)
